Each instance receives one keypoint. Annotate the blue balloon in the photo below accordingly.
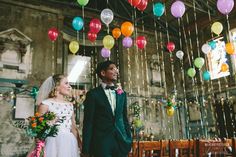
(158, 9)
(206, 75)
(212, 44)
(78, 23)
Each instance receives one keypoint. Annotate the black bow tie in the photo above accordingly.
(110, 87)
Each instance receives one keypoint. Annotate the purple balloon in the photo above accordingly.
(127, 42)
(225, 6)
(105, 53)
(178, 9)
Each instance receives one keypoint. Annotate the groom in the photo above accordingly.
(106, 130)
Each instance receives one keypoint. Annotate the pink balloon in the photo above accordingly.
(105, 53)
(178, 9)
(95, 25)
(142, 5)
(225, 6)
(53, 34)
(170, 46)
(141, 42)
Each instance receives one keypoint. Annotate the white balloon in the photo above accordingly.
(206, 48)
(107, 16)
(180, 54)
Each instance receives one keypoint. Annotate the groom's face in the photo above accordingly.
(111, 73)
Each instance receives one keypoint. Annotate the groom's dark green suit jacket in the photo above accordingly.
(100, 122)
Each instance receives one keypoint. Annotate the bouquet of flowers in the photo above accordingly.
(41, 127)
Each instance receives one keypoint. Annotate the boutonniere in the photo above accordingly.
(119, 89)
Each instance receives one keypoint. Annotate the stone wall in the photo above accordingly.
(13, 140)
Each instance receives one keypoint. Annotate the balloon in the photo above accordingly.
(158, 9)
(180, 54)
(127, 42)
(127, 28)
(138, 123)
(108, 41)
(206, 75)
(142, 5)
(199, 62)
(229, 48)
(141, 42)
(83, 2)
(212, 44)
(170, 111)
(74, 46)
(116, 33)
(77, 23)
(224, 67)
(191, 72)
(225, 6)
(105, 53)
(217, 28)
(206, 48)
(178, 9)
(95, 25)
(53, 34)
(170, 46)
(92, 36)
(107, 16)
(134, 2)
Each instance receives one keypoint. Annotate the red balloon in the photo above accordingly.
(92, 36)
(170, 46)
(95, 25)
(141, 42)
(134, 2)
(142, 5)
(53, 34)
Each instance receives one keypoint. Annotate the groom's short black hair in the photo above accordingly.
(103, 66)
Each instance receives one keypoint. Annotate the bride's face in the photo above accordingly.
(64, 87)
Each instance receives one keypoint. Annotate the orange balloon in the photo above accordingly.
(116, 33)
(229, 48)
(127, 28)
(224, 67)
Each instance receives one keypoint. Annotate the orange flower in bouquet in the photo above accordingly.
(41, 127)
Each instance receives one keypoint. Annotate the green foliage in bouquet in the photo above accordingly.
(43, 126)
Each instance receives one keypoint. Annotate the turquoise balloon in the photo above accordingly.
(191, 72)
(212, 44)
(78, 23)
(199, 62)
(158, 9)
(206, 75)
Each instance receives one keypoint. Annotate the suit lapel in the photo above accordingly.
(105, 99)
(118, 100)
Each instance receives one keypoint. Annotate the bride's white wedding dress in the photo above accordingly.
(65, 143)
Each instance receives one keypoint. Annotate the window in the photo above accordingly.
(216, 58)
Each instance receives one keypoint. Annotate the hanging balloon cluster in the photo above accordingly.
(95, 26)
(170, 105)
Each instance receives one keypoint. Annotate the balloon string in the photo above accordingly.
(180, 36)
(228, 28)
(129, 71)
(77, 35)
(158, 56)
(53, 58)
(107, 28)
(83, 29)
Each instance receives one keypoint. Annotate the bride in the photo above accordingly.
(51, 97)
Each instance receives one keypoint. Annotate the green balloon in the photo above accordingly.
(199, 62)
(191, 72)
(108, 41)
(83, 2)
(138, 123)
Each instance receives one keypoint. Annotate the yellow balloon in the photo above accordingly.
(217, 28)
(229, 48)
(74, 46)
(108, 41)
(170, 111)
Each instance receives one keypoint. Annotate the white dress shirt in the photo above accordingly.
(111, 95)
